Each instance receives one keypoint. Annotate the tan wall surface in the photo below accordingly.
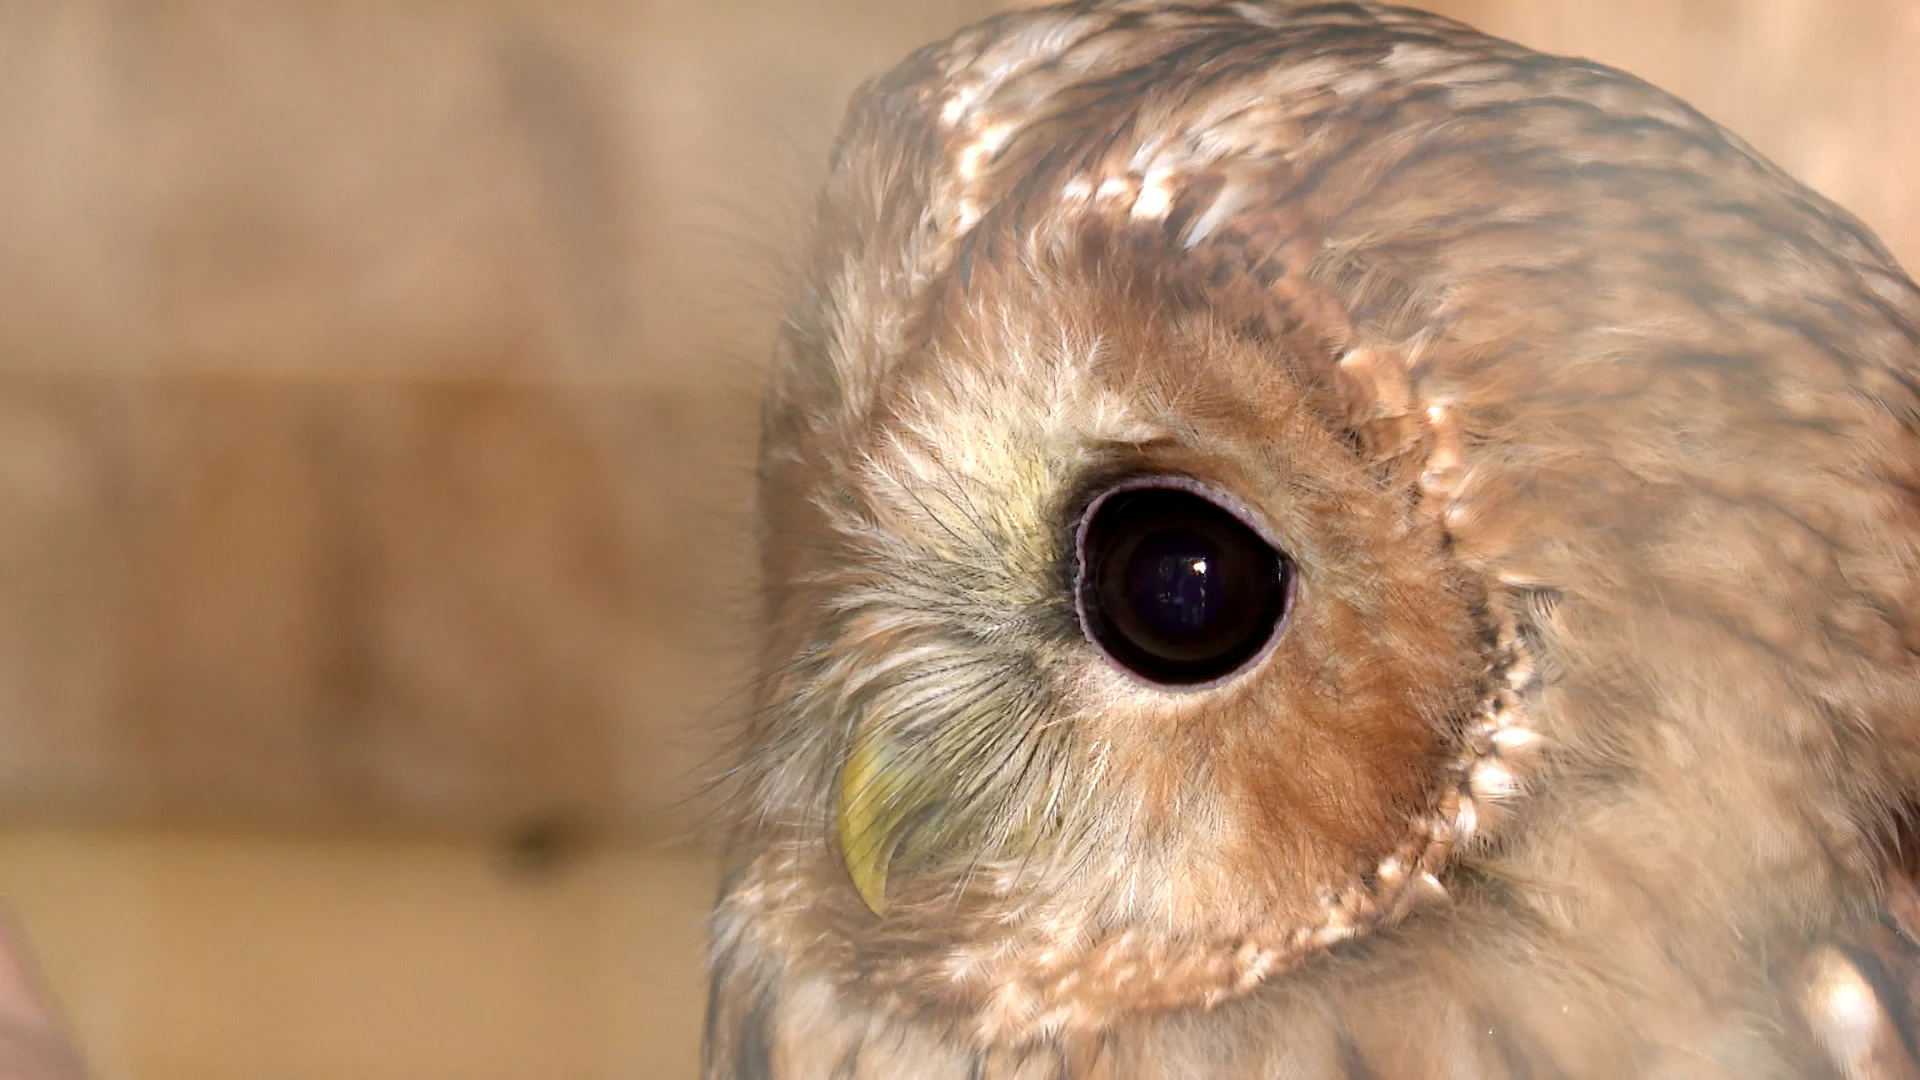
(377, 391)
(270, 958)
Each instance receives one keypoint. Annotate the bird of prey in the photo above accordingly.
(1301, 540)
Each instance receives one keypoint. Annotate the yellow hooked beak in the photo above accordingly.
(899, 802)
(877, 802)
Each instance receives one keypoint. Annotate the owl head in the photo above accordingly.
(1235, 477)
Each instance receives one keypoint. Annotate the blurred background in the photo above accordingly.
(377, 395)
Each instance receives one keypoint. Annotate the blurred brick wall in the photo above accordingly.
(377, 395)
(377, 379)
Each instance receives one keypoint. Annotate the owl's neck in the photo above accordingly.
(1010, 970)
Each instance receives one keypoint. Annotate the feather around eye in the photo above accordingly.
(1585, 442)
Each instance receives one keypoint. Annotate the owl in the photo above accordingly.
(1306, 541)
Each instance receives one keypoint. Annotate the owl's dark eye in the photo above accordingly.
(1175, 587)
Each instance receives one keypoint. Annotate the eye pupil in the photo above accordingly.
(1174, 582)
(1174, 587)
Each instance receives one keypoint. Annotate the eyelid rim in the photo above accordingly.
(1235, 509)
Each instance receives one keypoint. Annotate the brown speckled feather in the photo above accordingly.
(1587, 744)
